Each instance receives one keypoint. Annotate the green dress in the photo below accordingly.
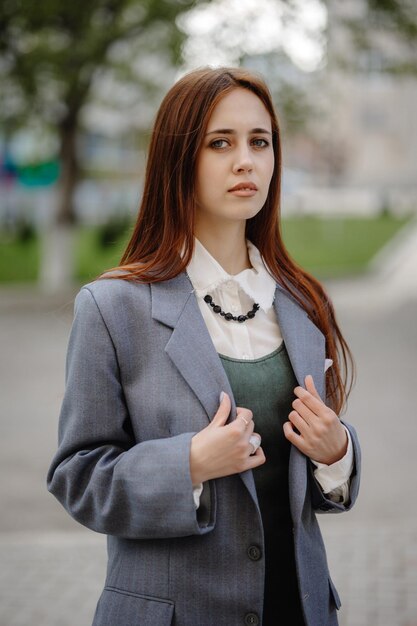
(266, 387)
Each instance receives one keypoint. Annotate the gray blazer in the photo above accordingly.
(143, 377)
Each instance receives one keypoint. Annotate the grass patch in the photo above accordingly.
(92, 258)
(19, 260)
(337, 247)
(328, 248)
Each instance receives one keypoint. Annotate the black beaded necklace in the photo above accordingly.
(229, 316)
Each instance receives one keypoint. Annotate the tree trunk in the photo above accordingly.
(57, 258)
(69, 173)
(57, 263)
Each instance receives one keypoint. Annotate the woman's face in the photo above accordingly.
(236, 160)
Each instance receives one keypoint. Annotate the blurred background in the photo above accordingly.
(80, 85)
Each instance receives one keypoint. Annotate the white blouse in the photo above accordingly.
(236, 294)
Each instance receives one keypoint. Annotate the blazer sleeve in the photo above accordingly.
(323, 504)
(105, 479)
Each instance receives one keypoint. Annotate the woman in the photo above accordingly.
(205, 526)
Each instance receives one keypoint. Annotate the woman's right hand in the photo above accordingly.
(223, 449)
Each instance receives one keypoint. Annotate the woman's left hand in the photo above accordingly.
(321, 436)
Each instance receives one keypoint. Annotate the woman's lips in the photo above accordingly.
(244, 190)
(243, 193)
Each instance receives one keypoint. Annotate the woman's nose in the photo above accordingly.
(243, 161)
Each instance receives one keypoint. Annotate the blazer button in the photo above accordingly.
(254, 553)
(251, 619)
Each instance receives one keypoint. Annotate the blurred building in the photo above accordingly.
(355, 149)
(370, 129)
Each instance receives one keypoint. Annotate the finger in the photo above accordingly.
(245, 421)
(244, 417)
(245, 431)
(297, 440)
(248, 432)
(291, 435)
(307, 414)
(297, 421)
(311, 387)
(289, 432)
(256, 459)
(223, 411)
(316, 405)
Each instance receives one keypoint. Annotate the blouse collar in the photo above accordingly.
(206, 274)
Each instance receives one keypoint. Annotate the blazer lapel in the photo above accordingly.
(191, 349)
(305, 346)
(304, 341)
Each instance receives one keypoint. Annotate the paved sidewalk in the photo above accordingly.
(56, 579)
(50, 580)
(374, 568)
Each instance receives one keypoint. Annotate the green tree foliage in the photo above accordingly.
(52, 52)
(387, 34)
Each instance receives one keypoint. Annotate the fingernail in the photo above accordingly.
(221, 396)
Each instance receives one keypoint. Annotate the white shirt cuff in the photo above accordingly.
(333, 476)
(197, 491)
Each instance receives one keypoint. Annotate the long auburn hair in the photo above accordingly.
(162, 242)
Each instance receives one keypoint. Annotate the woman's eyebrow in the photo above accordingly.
(230, 131)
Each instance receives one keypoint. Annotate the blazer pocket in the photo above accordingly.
(124, 608)
(334, 594)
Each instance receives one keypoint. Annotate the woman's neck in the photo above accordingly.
(227, 246)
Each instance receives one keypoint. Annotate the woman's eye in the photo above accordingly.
(260, 143)
(218, 143)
